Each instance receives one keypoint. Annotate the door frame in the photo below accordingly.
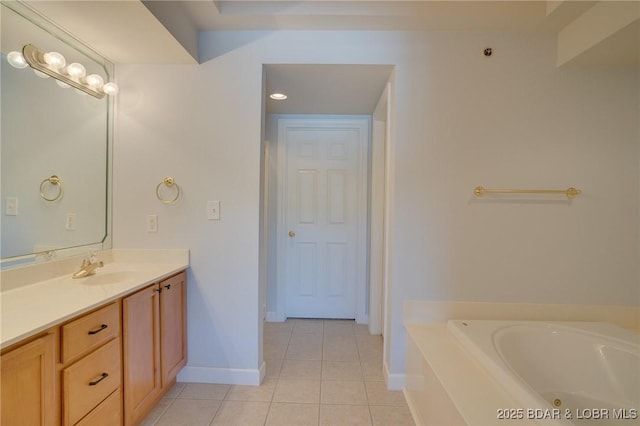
(363, 124)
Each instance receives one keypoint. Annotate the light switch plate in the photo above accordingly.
(11, 206)
(70, 222)
(213, 210)
(152, 223)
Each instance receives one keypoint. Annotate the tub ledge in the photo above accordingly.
(445, 386)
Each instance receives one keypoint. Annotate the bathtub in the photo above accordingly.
(558, 372)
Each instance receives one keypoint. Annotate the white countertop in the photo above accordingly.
(32, 308)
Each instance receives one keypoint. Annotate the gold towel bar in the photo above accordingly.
(571, 192)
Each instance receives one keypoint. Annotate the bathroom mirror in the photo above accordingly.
(54, 148)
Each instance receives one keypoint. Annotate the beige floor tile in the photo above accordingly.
(370, 346)
(175, 390)
(299, 391)
(347, 352)
(378, 394)
(262, 393)
(301, 369)
(344, 415)
(279, 337)
(157, 412)
(340, 339)
(361, 329)
(293, 414)
(273, 367)
(343, 392)
(306, 339)
(340, 370)
(391, 416)
(189, 412)
(305, 352)
(241, 413)
(339, 328)
(372, 369)
(204, 391)
(274, 350)
(308, 326)
(279, 326)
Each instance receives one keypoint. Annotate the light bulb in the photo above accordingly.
(55, 60)
(94, 81)
(76, 70)
(61, 84)
(110, 89)
(16, 60)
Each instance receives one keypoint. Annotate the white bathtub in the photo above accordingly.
(559, 372)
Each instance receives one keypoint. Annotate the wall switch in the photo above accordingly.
(11, 206)
(70, 222)
(213, 210)
(152, 223)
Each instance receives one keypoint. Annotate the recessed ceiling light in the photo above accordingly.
(278, 96)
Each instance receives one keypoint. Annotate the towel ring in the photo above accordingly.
(168, 182)
(53, 181)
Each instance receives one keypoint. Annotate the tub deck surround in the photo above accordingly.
(579, 369)
(449, 381)
(446, 385)
(46, 295)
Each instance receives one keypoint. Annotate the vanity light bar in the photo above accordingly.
(53, 64)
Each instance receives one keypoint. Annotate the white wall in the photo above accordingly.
(512, 120)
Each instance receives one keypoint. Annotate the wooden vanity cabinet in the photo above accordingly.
(91, 368)
(28, 383)
(154, 344)
(108, 367)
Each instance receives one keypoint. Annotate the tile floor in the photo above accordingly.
(319, 372)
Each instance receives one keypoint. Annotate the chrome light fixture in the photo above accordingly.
(53, 64)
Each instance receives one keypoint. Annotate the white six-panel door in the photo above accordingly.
(323, 216)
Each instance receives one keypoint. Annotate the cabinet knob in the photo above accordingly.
(168, 286)
(292, 233)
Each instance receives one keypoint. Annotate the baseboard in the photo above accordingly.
(227, 376)
(394, 381)
(273, 317)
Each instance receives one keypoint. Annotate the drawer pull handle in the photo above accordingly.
(168, 286)
(102, 377)
(102, 327)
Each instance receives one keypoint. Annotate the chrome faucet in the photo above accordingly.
(88, 267)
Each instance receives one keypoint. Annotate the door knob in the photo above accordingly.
(292, 233)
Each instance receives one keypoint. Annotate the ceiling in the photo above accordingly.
(166, 31)
(325, 89)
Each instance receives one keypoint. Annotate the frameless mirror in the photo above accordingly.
(54, 147)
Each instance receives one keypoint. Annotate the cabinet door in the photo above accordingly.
(141, 347)
(173, 324)
(28, 384)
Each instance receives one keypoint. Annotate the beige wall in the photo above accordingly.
(512, 120)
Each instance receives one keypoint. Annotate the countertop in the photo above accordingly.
(30, 309)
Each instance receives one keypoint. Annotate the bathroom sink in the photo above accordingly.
(113, 277)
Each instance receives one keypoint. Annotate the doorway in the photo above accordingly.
(329, 92)
(322, 217)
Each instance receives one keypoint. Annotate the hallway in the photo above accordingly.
(319, 372)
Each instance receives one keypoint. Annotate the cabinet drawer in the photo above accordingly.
(108, 413)
(90, 331)
(90, 380)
